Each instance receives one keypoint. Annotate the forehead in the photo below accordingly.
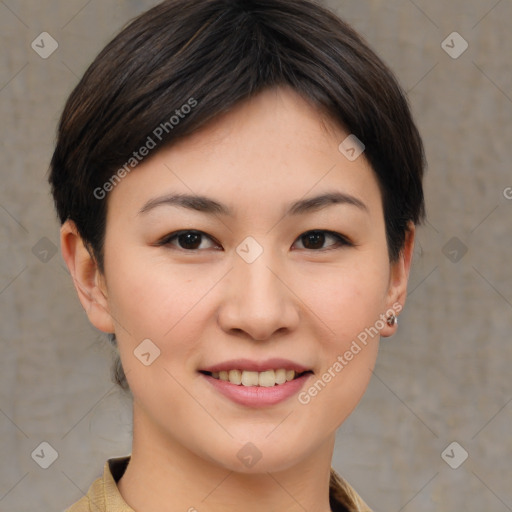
(275, 116)
(275, 146)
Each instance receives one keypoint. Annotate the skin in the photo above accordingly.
(302, 302)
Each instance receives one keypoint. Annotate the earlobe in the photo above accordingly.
(399, 278)
(87, 278)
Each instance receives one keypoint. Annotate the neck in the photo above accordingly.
(164, 476)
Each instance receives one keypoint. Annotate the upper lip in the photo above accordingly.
(256, 366)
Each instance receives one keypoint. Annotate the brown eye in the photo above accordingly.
(190, 240)
(315, 240)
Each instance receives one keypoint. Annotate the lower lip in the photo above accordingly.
(258, 396)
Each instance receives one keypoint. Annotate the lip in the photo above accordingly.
(257, 396)
(256, 366)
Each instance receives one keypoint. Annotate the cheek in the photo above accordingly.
(349, 302)
(166, 304)
(154, 297)
(348, 298)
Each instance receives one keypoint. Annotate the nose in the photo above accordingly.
(258, 302)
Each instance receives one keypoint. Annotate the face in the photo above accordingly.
(257, 282)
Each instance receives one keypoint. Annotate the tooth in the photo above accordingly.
(235, 377)
(280, 376)
(267, 378)
(249, 378)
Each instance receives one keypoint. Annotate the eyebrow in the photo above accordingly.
(210, 206)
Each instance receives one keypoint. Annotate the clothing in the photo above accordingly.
(104, 496)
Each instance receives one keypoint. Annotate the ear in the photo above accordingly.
(87, 278)
(399, 276)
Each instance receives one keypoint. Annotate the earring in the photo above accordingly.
(392, 320)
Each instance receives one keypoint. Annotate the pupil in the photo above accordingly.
(190, 239)
(313, 240)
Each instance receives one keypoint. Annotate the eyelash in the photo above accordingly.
(342, 241)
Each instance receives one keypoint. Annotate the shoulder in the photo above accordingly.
(343, 497)
(103, 495)
(94, 500)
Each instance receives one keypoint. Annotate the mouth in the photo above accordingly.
(248, 378)
(257, 383)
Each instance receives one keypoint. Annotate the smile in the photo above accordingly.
(267, 378)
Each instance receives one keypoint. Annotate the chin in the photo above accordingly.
(260, 456)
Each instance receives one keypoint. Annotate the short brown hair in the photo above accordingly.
(218, 53)
(212, 54)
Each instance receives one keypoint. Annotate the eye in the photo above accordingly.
(192, 240)
(315, 240)
(189, 240)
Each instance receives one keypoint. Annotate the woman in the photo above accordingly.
(238, 184)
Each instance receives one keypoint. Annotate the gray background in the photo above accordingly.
(444, 377)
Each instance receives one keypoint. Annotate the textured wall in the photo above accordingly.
(445, 377)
